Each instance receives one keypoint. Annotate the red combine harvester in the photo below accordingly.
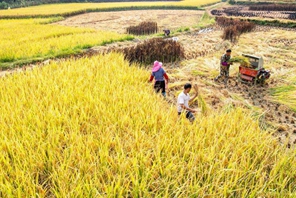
(256, 73)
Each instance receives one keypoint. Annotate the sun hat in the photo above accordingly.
(157, 65)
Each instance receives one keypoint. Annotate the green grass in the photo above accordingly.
(186, 29)
(205, 21)
(179, 30)
(276, 23)
(52, 20)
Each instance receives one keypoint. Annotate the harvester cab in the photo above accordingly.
(255, 73)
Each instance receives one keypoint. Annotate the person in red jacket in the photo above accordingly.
(160, 76)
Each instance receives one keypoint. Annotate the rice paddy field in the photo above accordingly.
(27, 40)
(90, 125)
(56, 9)
(274, 103)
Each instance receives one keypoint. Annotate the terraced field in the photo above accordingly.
(245, 11)
(79, 8)
(88, 124)
(119, 21)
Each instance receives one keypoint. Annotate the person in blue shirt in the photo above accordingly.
(159, 74)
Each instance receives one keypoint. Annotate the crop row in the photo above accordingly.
(291, 15)
(274, 7)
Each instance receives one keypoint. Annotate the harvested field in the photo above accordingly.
(196, 43)
(274, 7)
(243, 11)
(277, 48)
(119, 21)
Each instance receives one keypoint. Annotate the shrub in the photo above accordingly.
(3, 5)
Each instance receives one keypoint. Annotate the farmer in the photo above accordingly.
(166, 32)
(184, 99)
(160, 76)
(224, 66)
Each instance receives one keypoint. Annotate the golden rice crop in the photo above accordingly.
(27, 39)
(73, 7)
(93, 127)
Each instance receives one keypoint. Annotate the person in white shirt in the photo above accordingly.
(184, 99)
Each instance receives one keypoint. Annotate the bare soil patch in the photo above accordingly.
(119, 21)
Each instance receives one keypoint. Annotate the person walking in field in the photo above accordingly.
(160, 76)
(184, 100)
(224, 66)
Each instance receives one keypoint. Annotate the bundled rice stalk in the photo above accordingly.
(244, 61)
(203, 105)
(233, 28)
(143, 28)
(231, 34)
(155, 49)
